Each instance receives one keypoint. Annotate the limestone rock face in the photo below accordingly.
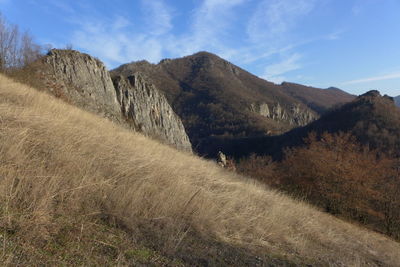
(301, 117)
(295, 115)
(85, 82)
(261, 109)
(149, 110)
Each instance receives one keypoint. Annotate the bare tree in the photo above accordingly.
(16, 49)
(30, 51)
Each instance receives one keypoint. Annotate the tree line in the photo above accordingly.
(17, 48)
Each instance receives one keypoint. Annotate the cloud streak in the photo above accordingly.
(275, 71)
(269, 30)
(211, 26)
(210, 22)
(390, 76)
(158, 16)
(119, 40)
(273, 18)
(114, 44)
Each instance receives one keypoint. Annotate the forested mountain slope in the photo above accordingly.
(216, 98)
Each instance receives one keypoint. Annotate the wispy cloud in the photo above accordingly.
(389, 76)
(273, 18)
(158, 16)
(118, 41)
(210, 21)
(210, 26)
(270, 31)
(120, 23)
(335, 35)
(275, 71)
(114, 44)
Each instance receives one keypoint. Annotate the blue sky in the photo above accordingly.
(350, 44)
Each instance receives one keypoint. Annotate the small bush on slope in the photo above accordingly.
(60, 164)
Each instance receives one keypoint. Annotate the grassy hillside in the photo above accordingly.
(76, 189)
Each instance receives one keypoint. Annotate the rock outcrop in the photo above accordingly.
(81, 80)
(221, 159)
(301, 117)
(224, 162)
(149, 110)
(295, 115)
(85, 82)
(261, 109)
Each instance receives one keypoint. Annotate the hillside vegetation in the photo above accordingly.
(336, 173)
(317, 99)
(76, 189)
(214, 97)
(346, 162)
(373, 119)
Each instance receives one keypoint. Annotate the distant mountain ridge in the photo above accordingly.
(320, 100)
(216, 98)
(373, 119)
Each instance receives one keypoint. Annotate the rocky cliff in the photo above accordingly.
(294, 115)
(81, 80)
(149, 110)
(84, 81)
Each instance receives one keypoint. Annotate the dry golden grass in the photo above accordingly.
(57, 161)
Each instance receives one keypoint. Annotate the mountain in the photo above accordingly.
(78, 190)
(320, 100)
(216, 98)
(397, 100)
(132, 101)
(373, 119)
(346, 162)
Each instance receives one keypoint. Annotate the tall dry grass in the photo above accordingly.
(57, 160)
